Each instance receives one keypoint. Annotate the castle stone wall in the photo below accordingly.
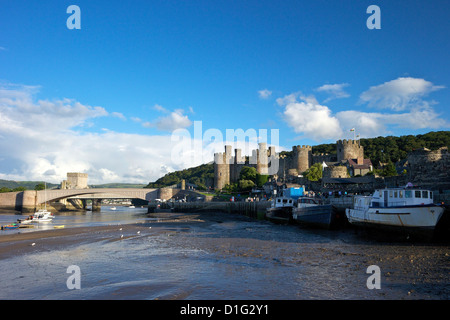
(349, 149)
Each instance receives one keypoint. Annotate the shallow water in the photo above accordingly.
(219, 256)
(106, 216)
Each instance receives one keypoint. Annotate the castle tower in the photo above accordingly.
(236, 167)
(349, 149)
(222, 163)
(302, 158)
(262, 164)
(75, 180)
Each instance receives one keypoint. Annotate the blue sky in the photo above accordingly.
(106, 98)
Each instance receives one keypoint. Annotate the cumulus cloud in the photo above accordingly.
(307, 116)
(398, 94)
(19, 111)
(371, 124)
(264, 94)
(118, 115)
(174, 120)
(45, 139)
(404, 97)
(335, 91)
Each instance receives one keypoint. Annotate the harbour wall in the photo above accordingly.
(255, 210)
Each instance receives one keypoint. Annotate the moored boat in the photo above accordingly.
(11, 226)
(280, 210)
(311, 212)
(408, 209)
(42, 215)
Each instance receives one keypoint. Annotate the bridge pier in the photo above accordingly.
(96, 205)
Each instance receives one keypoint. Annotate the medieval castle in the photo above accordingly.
(349, 158)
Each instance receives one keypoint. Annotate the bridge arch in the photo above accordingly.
(96, 193)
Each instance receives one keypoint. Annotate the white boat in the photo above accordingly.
(402, 208)
(131, 207)
(113, 208)
(42, 215)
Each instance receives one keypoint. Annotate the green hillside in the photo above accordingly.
(10, 185)
(380, 149)
(202, 176)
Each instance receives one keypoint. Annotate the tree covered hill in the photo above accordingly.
(202, 176)
(380, 149)
(390, 148)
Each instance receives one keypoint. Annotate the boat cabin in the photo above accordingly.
(399, 197)
(283, 202)
(304, 202)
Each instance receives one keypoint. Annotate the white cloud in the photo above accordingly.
(20, 111)
(174, 120)
(290, 98)
(336, 91)
(45, 139)
(398, 94)
(264, 94)
(160, 108)
(118, 115)
(404, 96)
(371, 124)
(310, 118)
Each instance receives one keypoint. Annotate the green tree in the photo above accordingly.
(40, 186)
(314, 173)
(389, 170)
(261, 179)
(5, 189)
(246, 185)
(248, 173)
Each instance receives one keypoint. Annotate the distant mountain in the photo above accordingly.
(10, 185)
(29, 185)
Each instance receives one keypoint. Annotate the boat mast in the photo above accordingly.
(45, 196)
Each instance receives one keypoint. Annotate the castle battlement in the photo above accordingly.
(300, 148)
(228, 167)
(347, 142)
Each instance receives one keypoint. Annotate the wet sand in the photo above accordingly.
(223, 256)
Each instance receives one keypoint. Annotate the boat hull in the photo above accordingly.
(279, 214)
(321, 216)
(10, 227)
(420, 220)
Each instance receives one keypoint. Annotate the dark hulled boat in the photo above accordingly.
(281, 210)
(310, 212)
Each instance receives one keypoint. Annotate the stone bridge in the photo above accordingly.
(30, 200)
(96, 193)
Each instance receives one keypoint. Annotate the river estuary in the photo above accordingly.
(129, 254)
